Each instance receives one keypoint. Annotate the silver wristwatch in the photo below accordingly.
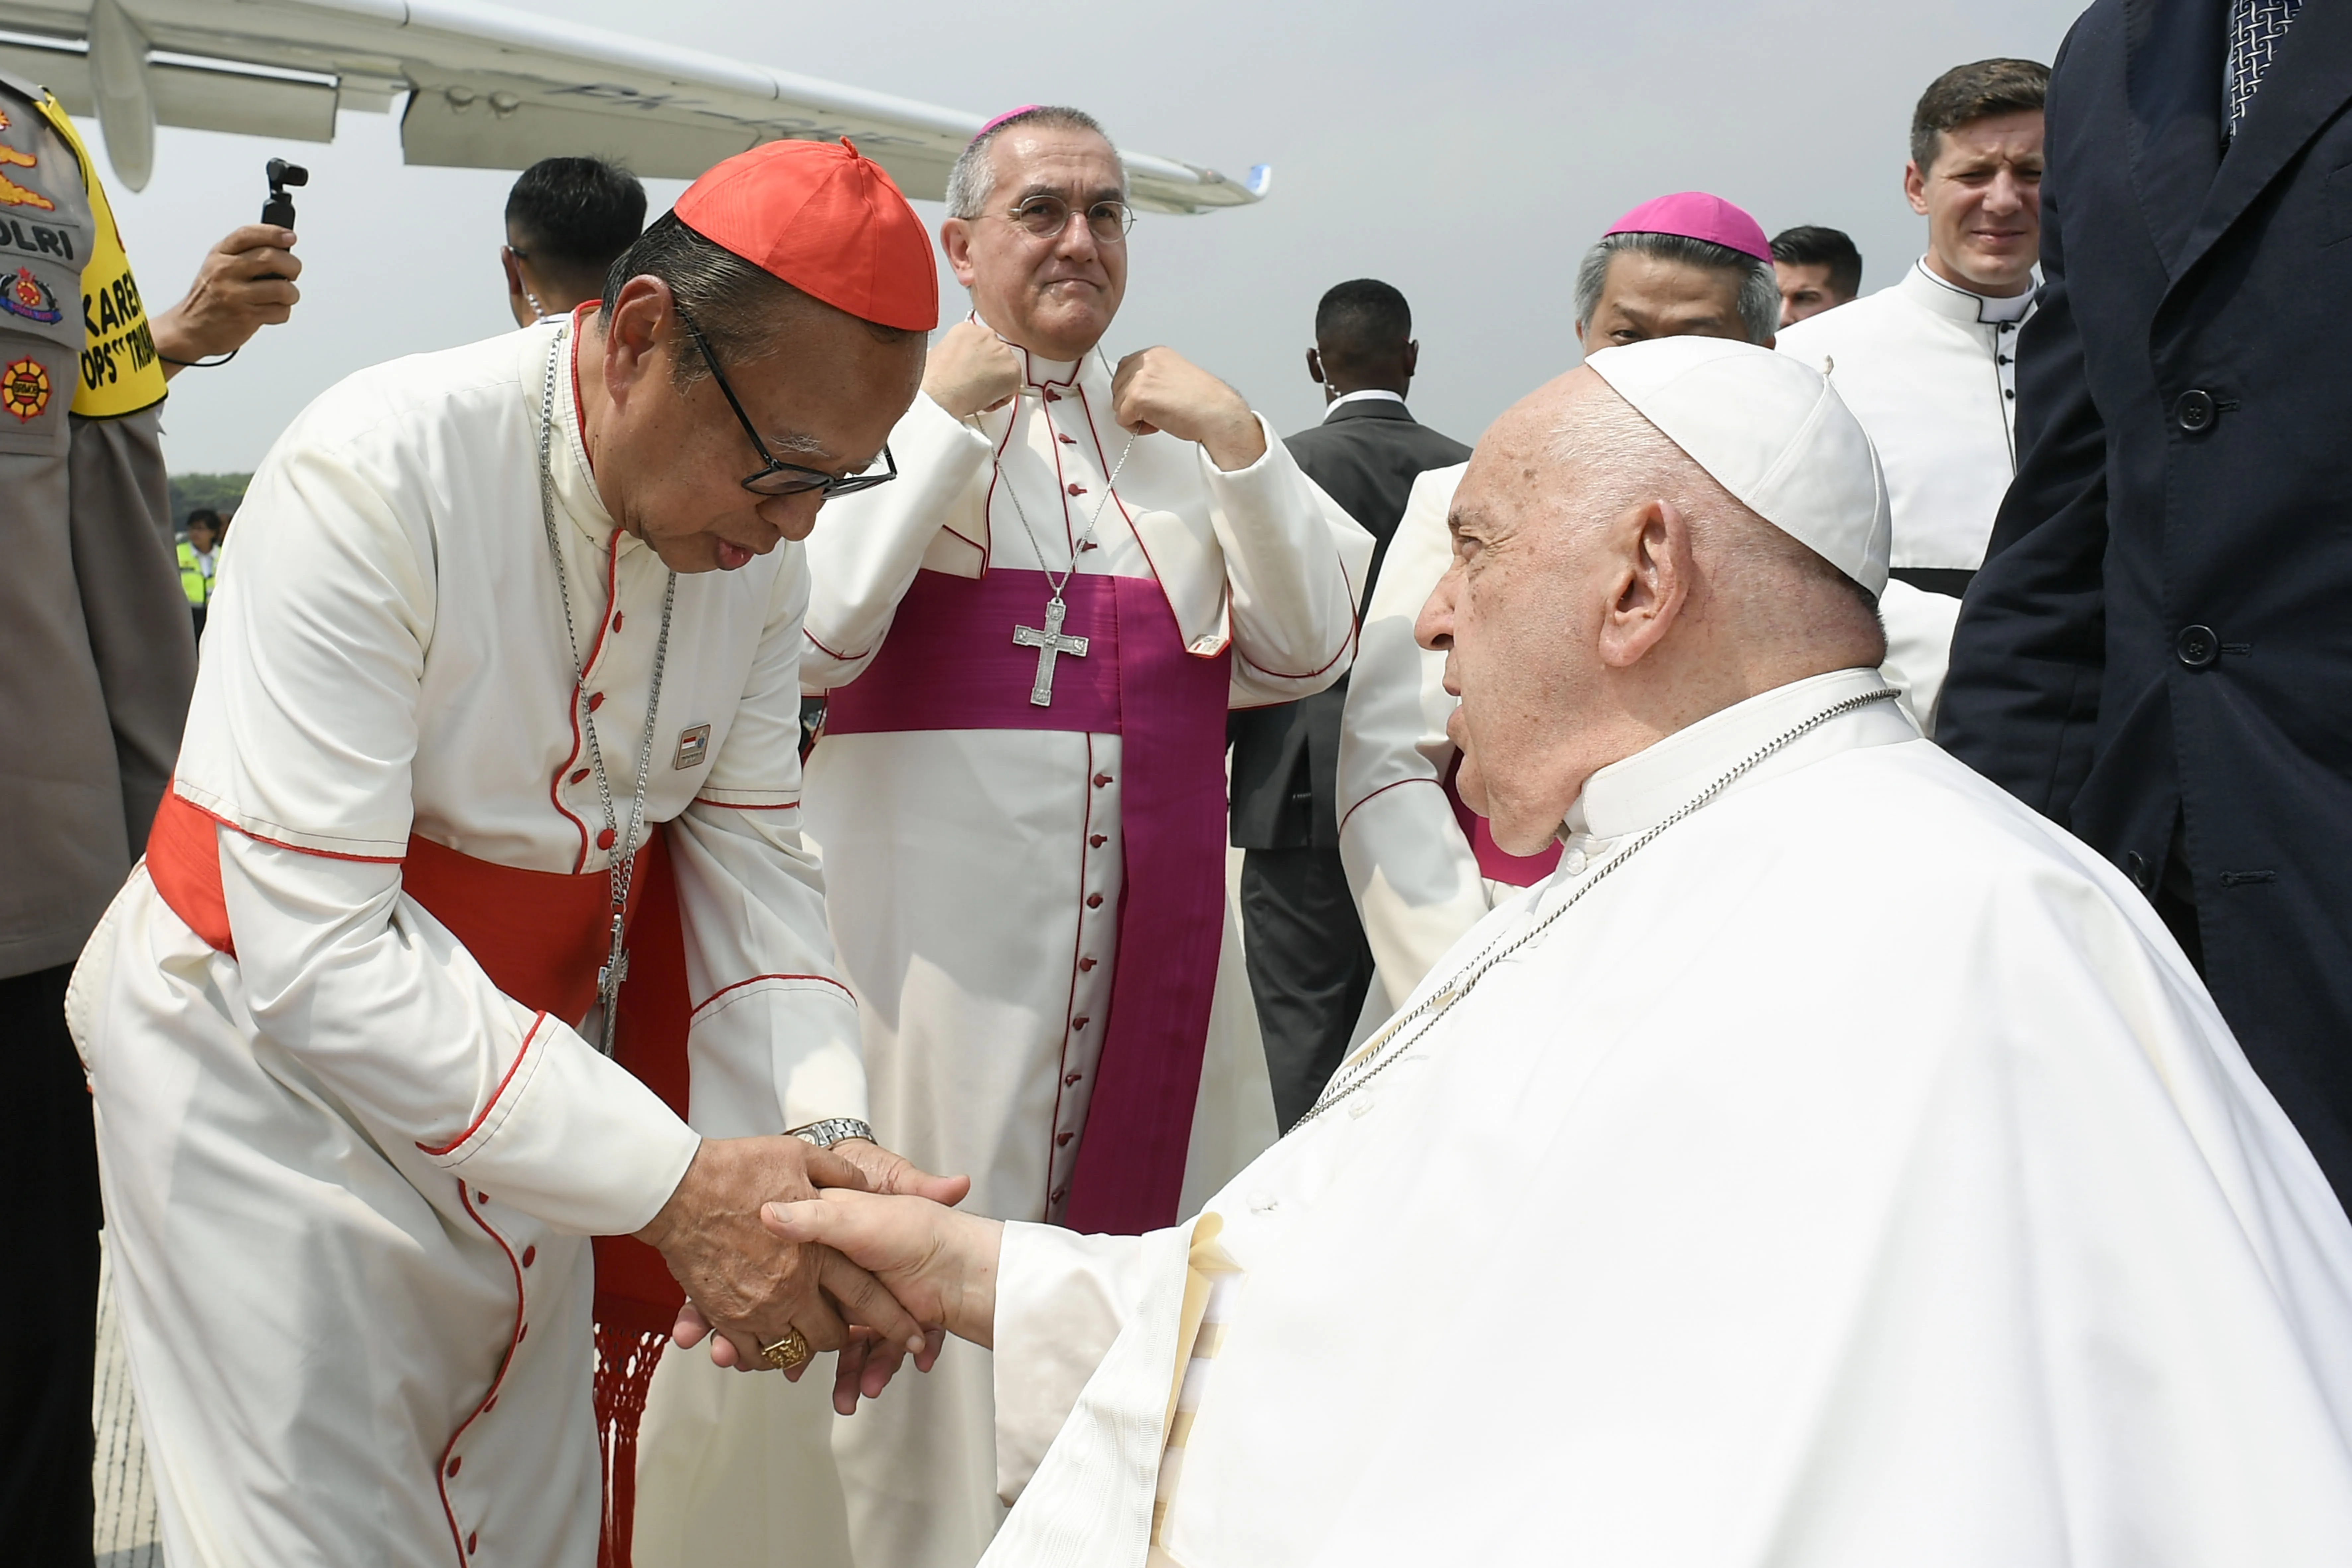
(833, 1130)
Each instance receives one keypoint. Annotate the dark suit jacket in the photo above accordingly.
(2164, 626)
(1287, 757)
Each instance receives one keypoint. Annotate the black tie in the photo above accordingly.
(2255, 28)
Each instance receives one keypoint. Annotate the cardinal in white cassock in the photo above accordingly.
(478, 925)
(1673, 1221)
(1028, 646)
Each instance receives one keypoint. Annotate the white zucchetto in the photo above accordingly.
(1770, 430)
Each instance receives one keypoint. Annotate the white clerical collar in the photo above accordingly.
(1369, 394)
(1037, 370)
(1946, 298)
(575, 477)
(1645, 789)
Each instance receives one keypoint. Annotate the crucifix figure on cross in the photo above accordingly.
(1050, 644)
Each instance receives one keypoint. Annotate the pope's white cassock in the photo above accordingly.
(1930, 369)
(350, 1174)
(1419, 863)
(1683, 1220)
(979, 875)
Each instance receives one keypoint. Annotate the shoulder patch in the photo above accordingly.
(27, 296)
(25, 389)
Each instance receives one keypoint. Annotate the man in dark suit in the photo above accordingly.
(2158, 652)
(1309, 964)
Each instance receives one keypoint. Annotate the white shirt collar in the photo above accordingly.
(1369, 394)
(1645, 789)
(1945, 298)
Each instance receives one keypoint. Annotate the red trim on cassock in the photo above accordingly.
(1383, 790)
(514, 1338)
(829, 653)
(730, 805)
(738, 986)
(475, 1126)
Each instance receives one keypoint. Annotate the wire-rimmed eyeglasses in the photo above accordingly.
(777, 478)
(1110, 220)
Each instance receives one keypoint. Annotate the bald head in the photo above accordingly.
(1607, 591)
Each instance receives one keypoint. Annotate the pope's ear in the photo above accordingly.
(1651, 546)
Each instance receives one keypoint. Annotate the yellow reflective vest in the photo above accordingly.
(194, 582)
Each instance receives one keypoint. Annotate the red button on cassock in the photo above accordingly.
(1098, 840)
(1051, 396)
(1080, 1022)
(580, 775)
(596, 701)
(1061, 1140)
(521, 1332)
(457, 1464)
(616, 620)
(1068, 440)
(604, 839)
(1101, 779)
(1076, 488)
(1084, 965)
(473, 1542)
(1094, 901)
(1072, 1078)
(1060, 1192)
(529, 1256)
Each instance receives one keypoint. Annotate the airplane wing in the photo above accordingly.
(484, 86)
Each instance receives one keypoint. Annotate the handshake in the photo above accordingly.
(768, 1291)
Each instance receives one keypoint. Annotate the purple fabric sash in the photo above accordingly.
(950, 663)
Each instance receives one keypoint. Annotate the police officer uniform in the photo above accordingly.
(97, 659)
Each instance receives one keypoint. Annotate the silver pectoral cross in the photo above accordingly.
(1050, 644)
(608, 983)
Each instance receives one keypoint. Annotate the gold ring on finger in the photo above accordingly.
(788, 1352)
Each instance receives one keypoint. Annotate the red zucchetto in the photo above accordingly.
(826, 220)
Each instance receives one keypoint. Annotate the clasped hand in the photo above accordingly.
(972, 370)
(751, 1290)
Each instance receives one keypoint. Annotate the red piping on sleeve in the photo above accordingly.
(820, 979)
(1380, 792)
(476, 1125)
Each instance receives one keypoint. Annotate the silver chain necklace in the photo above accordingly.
(624, 851)
(1049, 640)
(1385, 1048)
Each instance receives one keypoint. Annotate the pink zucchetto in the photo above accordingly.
(1695, 215)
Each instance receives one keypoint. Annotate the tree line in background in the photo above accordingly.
(221, 492)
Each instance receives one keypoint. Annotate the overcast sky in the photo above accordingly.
(1466, 151)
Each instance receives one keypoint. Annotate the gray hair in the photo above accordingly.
(1759, 291)
(973, 179)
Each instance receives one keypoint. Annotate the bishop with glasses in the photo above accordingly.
(1030, 643)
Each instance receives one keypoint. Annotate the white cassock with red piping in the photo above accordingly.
(349, 1182)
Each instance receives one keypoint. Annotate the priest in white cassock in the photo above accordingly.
(1673, 1223)
(1422, 866)
(1929, 366)
(1029, 645)
(477, 923)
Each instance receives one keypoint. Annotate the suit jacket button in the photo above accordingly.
(2197, 646)
(2193, 412)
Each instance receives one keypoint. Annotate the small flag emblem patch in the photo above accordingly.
(693, 747)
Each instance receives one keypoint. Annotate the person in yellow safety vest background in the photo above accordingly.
(97, 660)
(199, 558)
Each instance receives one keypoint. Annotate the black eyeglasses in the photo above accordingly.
(776, 477)
(1047, 217)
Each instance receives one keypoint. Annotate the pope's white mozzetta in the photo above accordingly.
(1701, 1232)
(345, 1111)
(1930, 369)
(975, 875)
